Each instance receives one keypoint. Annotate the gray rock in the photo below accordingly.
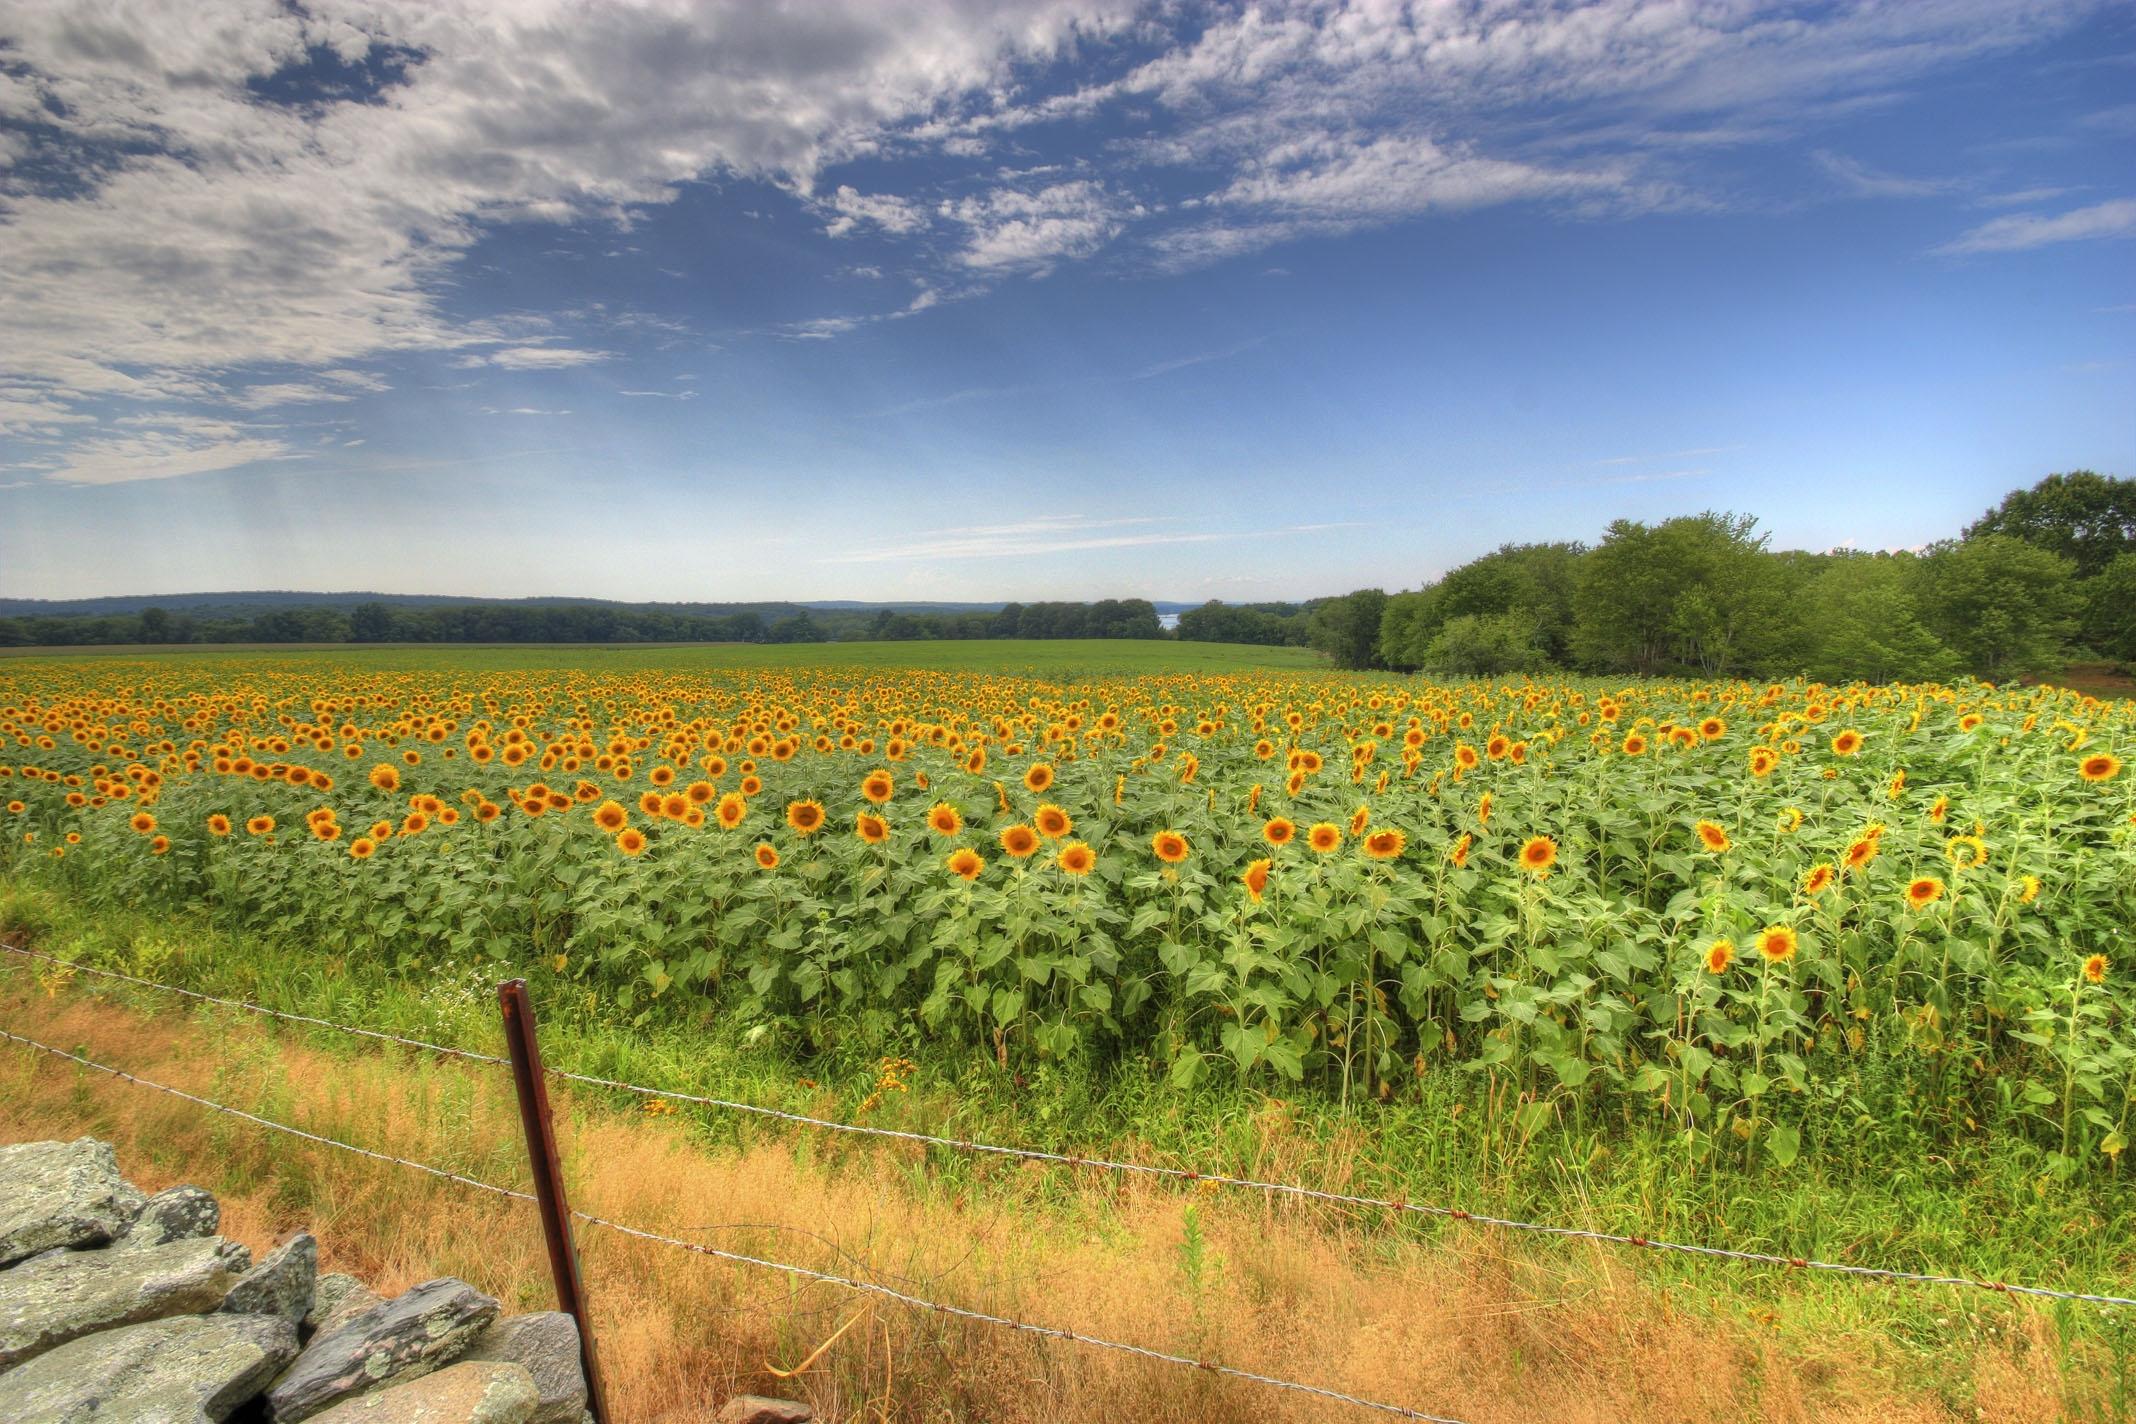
(61, 1194)
(397, 1340)
(280, 1285)
(49, 1302)
(490, 1392)
(189, 1369)
(547, 1343)
(177, 1214)
(332, 1290)
(757, 1409)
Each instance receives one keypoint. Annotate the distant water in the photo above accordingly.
(1168, 621)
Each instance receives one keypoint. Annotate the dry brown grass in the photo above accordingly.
(1460, 1325)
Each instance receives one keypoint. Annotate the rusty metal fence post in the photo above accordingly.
(533, 1090)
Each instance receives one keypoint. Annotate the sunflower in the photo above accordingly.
(1712, 836)
(1171, 847)
(661, 776)
(767, 856)
(259, 826)
(1077, 858)
(2028, 889)
(1279, 831)
(1966, 852)
(218, 824)
(752, 784)
(1762, 761)
(871, 828)
(965, 863)
(611, 817)
(1256, 877)
(651, 803)
(1790, 820)
(2095, 969)
(1018, 841)
(1777, 942)
(1861, 852)
(674, 806)
(1052, 822)
(1460, 853)
(877, 787)
(732, 808)
(385, 778)
(142, 822)
(631, 842)
(1719, 955)
(157, 845)
(1635, 745)
(1037, 777)
(1324, 837)
(806, 817)
(2099, 766)
(1385, 844)
(1712, 727)
(944, 819)
(699, 792)
(1923, 891)
(362, 848)
(1538, 854)
(1815, 882)
(1847, 743)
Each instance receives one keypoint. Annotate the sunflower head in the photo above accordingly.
(2099, 766)
(1018, 841)
(806, 817)
(1777, 943)
(1256, 878)
(1923, 891)
(1538, 854)
(871, 828)
(1051, 821)
(1719, 955)
(1279, 831)
(1385, 844)
(965, 863)
(767, 855)
(1171, 847)
(1077, 859)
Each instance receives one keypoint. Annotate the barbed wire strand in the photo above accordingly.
(1177, 1174)
(1050, 1332)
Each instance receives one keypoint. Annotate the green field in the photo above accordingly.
(1936, 1086)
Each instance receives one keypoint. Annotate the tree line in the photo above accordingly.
(379, 622)
(2048, 574)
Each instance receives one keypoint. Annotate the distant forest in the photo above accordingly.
(301, 618)
(2047, 575)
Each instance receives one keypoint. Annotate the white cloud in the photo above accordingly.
(891, 214)
(161, 455)
(1860, 180)
(1014, 229)
(538, 358)
(2021, 231)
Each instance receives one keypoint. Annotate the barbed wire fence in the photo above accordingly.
(1395, 1205)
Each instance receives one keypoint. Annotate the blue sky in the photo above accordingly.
(943, 299)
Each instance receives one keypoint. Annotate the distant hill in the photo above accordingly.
(251, 603)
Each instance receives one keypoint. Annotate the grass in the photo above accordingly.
(1062, 657)
(1438, 1316)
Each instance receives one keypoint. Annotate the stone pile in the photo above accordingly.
(122, 1308)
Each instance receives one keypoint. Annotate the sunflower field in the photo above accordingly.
(1727, 905)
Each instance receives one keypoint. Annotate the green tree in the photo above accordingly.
(1487, 645)
(1697, 592)
(2086, 517)
(1347, 629)
(2110, 609)
(1864, 623)
(2007, 607)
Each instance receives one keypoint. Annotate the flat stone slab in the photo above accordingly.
(547, 1344)
(485, 1392)
(760, 1409)
(336, 1297)
(189, 1369)
(61, 1194)
(58, 1298)
(396, 1340)
(177, 1214)
(280, 1285)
